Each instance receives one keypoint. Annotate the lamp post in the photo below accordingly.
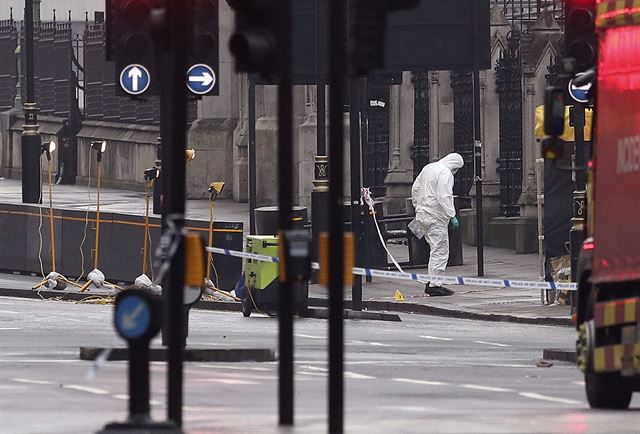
(31, 140)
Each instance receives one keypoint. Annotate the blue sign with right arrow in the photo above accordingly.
(201, 79)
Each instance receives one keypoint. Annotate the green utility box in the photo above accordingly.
(260, 274)
(261, 279)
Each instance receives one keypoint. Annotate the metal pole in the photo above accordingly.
(321, 140)
(31, 140)
(139, 385)
(356, 161)
(337, 69)
(252, 155)
(478, 144)
(175, 138)
(577, 228)
(321, 146)
(157, 184)
(285, 198)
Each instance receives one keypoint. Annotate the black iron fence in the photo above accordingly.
(71, 75)
(8, 65)
(509, 88)
(522, 14)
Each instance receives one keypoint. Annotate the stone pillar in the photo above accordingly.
(400, 174)
(529, 147)
(241, 145)
(434, 115)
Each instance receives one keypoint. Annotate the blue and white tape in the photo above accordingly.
(416, 277)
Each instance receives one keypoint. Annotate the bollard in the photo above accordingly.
(137, 319)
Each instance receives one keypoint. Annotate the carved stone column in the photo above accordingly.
(421, 133)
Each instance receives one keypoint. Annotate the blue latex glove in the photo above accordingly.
(454, 222)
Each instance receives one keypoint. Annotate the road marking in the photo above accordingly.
(231, 368)
(485, 388)
(41, 361)
(347, 374)
(10, 328)
(233, 381)
(26, 380)
(532, 395)
(12, 312)
(87, 389)
(299, 335)
(375, 344)
(435, 338)
(495, 344)
(421, 382)
(578, 383)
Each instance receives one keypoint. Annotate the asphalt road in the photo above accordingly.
(422, 375)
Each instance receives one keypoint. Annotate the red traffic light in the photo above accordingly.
(135, 11)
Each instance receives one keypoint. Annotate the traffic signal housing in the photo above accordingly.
(254, 43)
(368, 22)
(128, 33)
(204, 46)
(581, 42)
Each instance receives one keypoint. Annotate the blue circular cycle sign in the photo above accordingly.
(132, 316)
(201, 79)
(135, 79)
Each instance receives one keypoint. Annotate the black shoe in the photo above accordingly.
(438, 291)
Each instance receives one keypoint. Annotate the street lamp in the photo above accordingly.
(99, 146)
(53, 280)
(47, 148)
(143, 281)
(97, 277)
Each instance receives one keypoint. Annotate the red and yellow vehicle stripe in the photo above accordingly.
(617, 13)
(620, 357)
(617, 312)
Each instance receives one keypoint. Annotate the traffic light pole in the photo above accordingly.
(477, 148)
(580, 162)
(285, 199)
(252, 155)
(31, 141)
(174, 140)
(356, 208)
(337, 70)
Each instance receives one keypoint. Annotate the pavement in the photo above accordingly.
(471, 302)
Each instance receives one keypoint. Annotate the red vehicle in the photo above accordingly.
(608, 313)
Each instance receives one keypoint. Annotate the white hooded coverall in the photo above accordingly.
(432, 197)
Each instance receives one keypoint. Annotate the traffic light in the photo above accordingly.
(580, 41)
(204, 42)
(129, 43)
(254, 43)
(368, 21)
(129, 32)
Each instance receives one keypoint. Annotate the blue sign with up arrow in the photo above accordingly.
(132, 316)
(201, 79)
(135, 79)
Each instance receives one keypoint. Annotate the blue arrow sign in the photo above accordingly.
(201, 79)
(133, 316)
(135, 79)
(579, 93)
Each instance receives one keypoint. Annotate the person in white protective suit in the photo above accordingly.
(432, 197)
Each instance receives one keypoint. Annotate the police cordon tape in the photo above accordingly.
(447, 280)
